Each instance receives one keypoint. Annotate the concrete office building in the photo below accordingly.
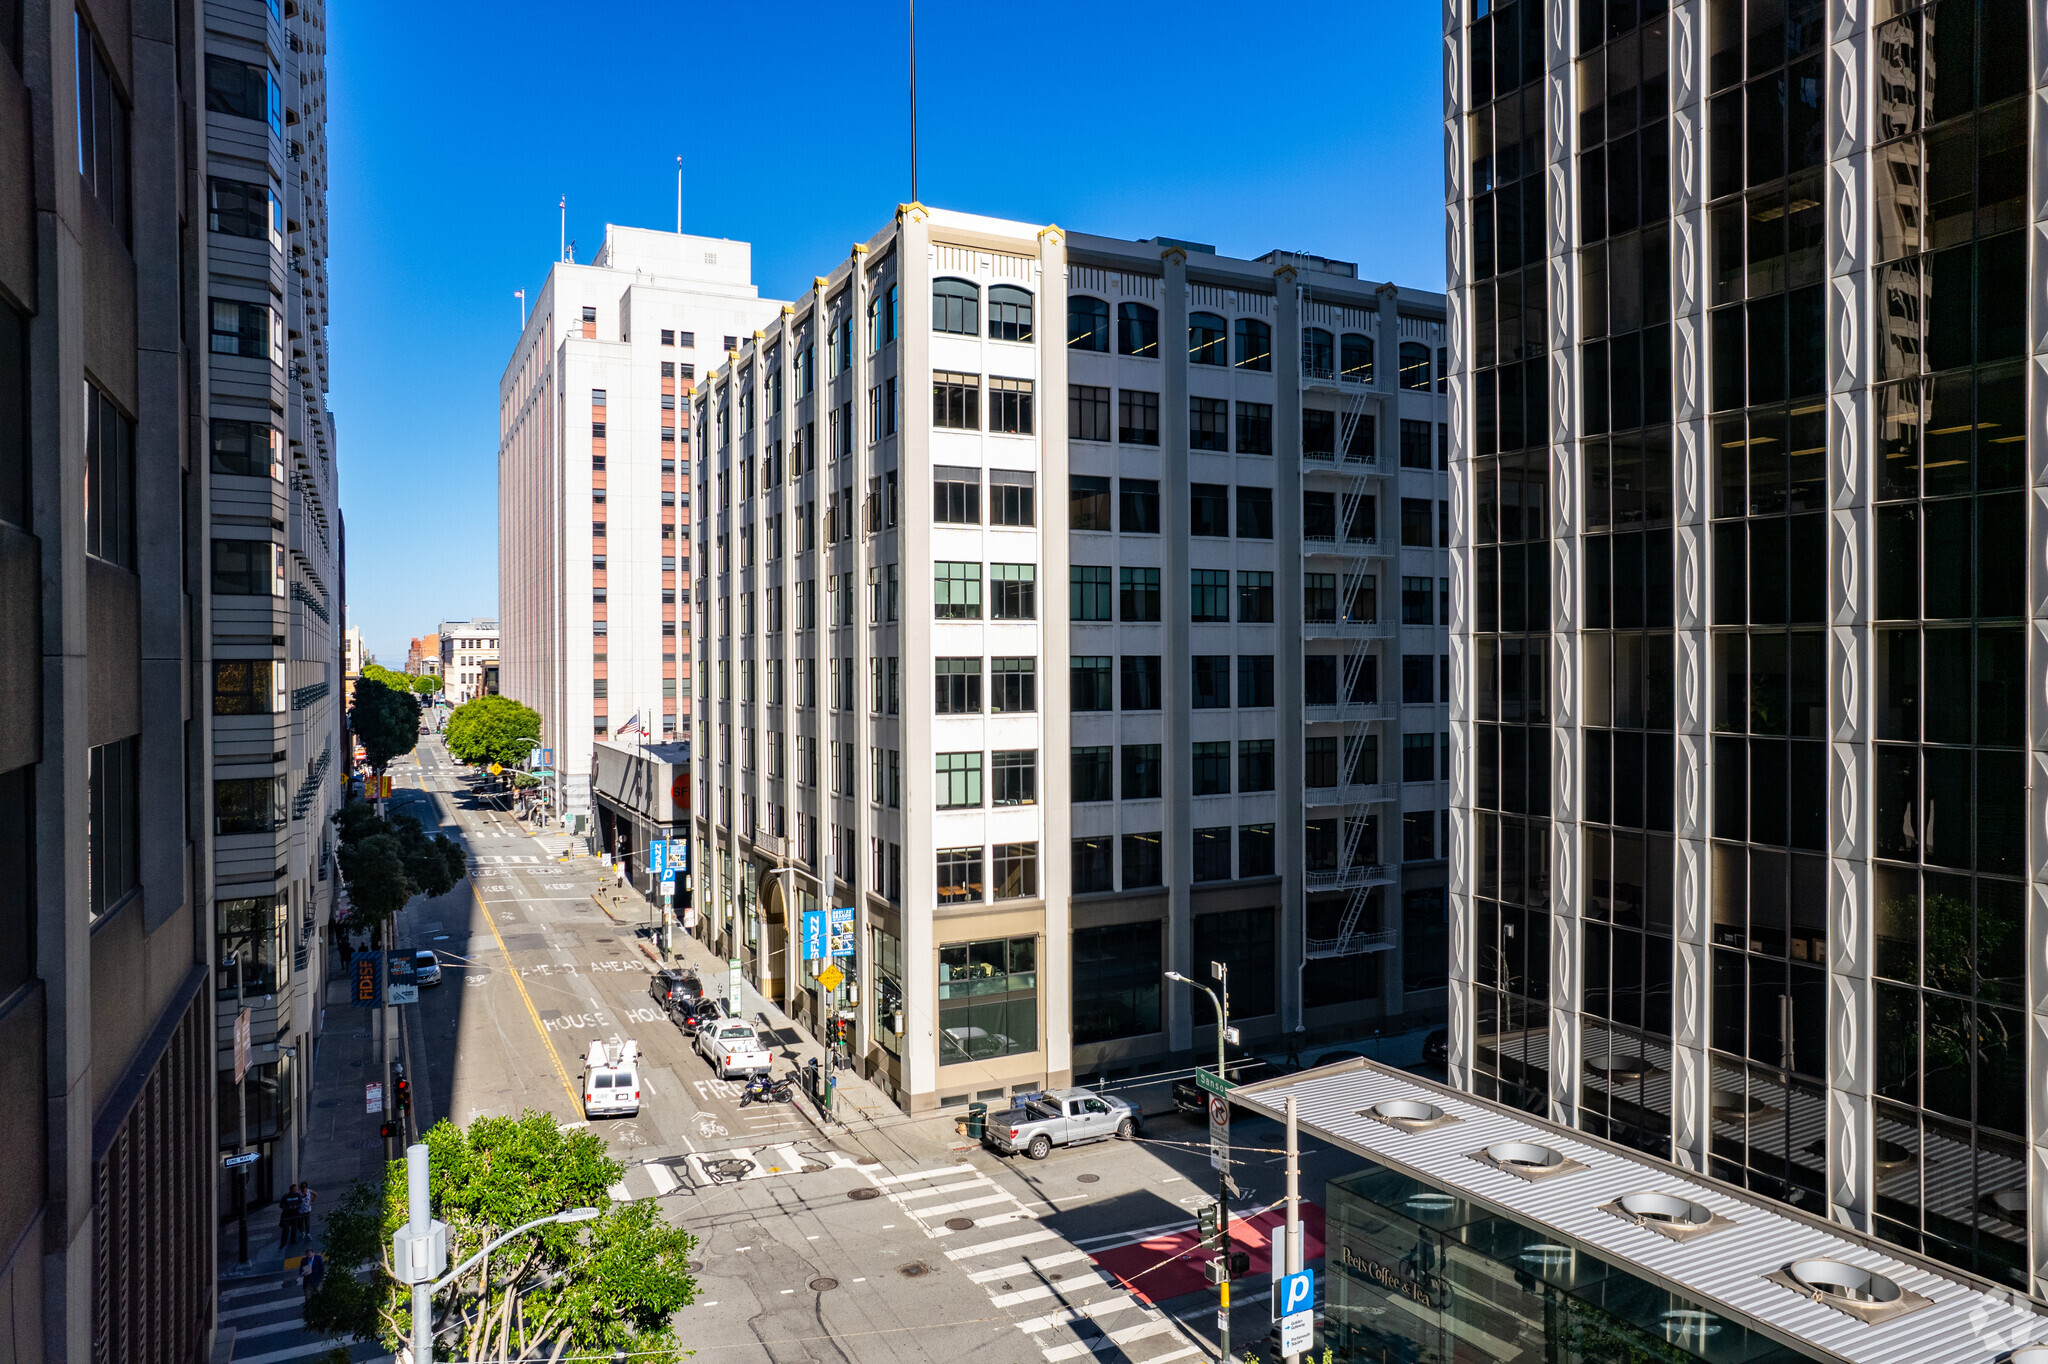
(464, 646)
(593, 486)
(1743, 689)
(169, 559)
(1048, 590)
(274, 615)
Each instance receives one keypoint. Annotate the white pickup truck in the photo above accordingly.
(733, 1048)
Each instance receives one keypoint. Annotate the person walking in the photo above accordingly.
(312, 1273)
(306, 1197)
(288, 1216)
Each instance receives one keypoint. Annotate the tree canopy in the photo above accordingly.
(583, 1289)
(491, 729)
(424, 684)
(385, 862)
(385, 722)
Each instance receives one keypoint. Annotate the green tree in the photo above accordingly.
(584, 1289)
(423, 684)
(385, 722)
(385, 862)
(491, 729)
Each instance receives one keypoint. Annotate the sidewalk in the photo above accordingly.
(260, 1308)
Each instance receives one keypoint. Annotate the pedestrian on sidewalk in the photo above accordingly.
(288, 1216)
(306, 1197)
(312, 1273)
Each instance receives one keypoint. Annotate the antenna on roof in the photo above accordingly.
(679, 196)
(520, 294)
(564, 206)
(913, 102)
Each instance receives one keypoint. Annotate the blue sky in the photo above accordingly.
(456, 127)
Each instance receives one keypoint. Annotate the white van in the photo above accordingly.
(611, 1080)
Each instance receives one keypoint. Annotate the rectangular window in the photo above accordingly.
(248, 568)
(1318, 433)
(1254, 765)
(1087, 503)
(1138, 510)
(1319, 761)
(1212, 856)
(1211, 768)
(1418, 835)
(1087, 412)
(1094, 865)
(956, 686)
(1138, 594)
(1415, 451)
(251, 805)
(1016, 870)
(1211, 682)
(236, 208)
(1088, 592)
(1117, 981)
(1254, 850)
(956, 591)
(248, 686)
(247, 449)
(988, 991)
(959, 781)
(956, 495)
(1415, 600)
(1255, 680)
(1137, 417)
(1208, 509)
(1012, 494)
(1255, 598)
(956, 401)
(1141, 682)
(1417, 518)
(109, 481)
(1254, 513)
(1088, 683)
(1093, 773)
(1013, 591)
(114, 831)
(1208, 594)
(1417, 679)
(1143, 865)
(243, 329)
(1418, 757)
(1141, 774)
(1013, 686)
(1208, 424)
(1009, 406)
(103, 127)
(243, 90)
(1319, 596)
(1255, 429)
(1015, 777)
(960, 876)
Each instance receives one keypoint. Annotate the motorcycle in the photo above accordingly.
(762, 1089)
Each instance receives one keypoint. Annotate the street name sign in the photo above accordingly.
(1210, 1082)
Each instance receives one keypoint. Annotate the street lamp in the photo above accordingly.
(1220, 998)
(420, 1247)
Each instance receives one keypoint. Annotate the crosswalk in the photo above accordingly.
(1073, 1311)
(267, 1314)
(671, 1174)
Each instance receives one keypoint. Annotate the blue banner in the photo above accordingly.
(657, 858)
(814, 935)
(679, 856)
(841, 925)
(366, 973)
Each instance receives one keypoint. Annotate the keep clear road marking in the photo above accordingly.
(575, 1104)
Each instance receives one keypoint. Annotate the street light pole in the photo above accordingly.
(1220, 998)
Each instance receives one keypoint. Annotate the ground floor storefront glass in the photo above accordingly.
(1420, 1276)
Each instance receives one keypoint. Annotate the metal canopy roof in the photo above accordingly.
(1961, 1325)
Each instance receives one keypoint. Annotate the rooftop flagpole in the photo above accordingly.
(913, 102)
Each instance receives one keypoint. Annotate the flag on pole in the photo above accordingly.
(631, 724)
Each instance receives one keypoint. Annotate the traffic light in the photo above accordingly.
(404, 1095)
(1210, 1223)
(1240, 1263)
(387, 1130)
(1212, 1270)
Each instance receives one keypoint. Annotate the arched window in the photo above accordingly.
(1254, 344)
(882, 319)
(956, 307)
(1087, 323)
(1137, 330)
(1318, 354)
(1208, 342)
(1354, 352)
(1414, 365)
(1009, 313)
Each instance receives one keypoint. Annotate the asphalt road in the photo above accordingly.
(813, 1247)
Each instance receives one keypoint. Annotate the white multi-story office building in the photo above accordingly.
(593, 486)
(1081, 600)
(465, 646)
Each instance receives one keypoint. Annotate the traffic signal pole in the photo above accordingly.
(1294, 1246)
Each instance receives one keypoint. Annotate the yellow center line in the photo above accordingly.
(575, 1104)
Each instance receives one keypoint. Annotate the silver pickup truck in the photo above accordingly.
(1058, 1117)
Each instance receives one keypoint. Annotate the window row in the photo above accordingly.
(1135, 594)
(956, 310)
(957, 591)
(957, 686)
(956, 405)
(1137, 507)
(957, 496)
(1012, 779)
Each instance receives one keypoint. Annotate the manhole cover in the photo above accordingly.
(820, 1285)
(1087, 1179)
(730, 1168)
(862, 1195)
(813, 1168)
(916, 1269)
(959, 1224)
(327, 1103)
(607, 939)
(869, 1160)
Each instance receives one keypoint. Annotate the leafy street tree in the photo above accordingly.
(584, 1289)
(385, 862)
(385, 722)
(490, 729)
(421, 683)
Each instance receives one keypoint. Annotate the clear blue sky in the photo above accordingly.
(455, 128)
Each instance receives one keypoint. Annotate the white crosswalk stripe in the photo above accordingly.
(1158, 1326)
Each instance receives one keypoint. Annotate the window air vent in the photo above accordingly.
(1526, 1160)
(1667, 1214)
(1409, 1115)
(1850, 1289)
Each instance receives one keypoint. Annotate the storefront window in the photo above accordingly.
(988, 999)
(888, 991)
(1116, 981)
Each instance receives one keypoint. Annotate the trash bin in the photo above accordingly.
(977, 1120)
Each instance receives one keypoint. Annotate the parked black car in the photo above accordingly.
(680, 995)
(1192, 1100)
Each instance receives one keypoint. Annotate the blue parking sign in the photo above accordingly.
(1297, 1293)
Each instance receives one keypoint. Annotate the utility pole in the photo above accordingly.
(1294, 1246)
(1220, 998)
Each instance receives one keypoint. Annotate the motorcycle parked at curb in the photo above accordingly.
(762, 1090)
